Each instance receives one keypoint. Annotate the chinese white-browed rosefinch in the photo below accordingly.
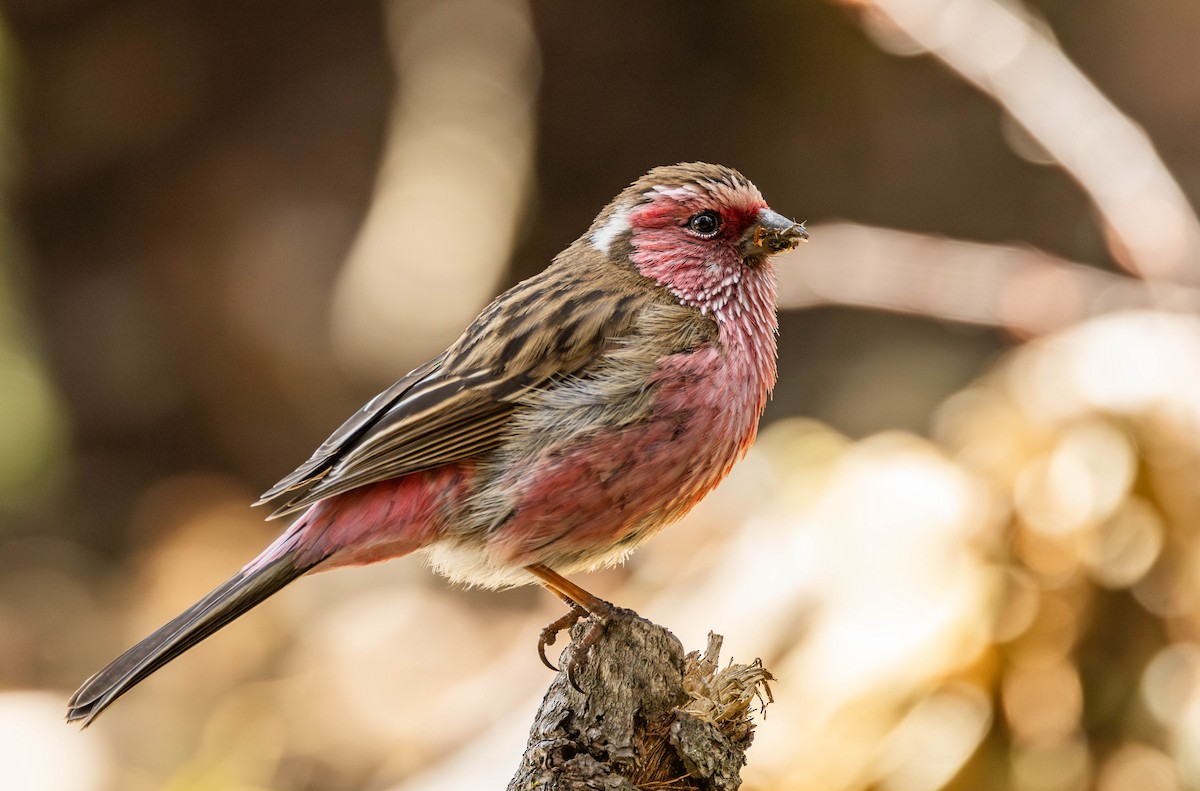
(582, 411)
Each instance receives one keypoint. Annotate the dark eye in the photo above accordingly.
(706, 223)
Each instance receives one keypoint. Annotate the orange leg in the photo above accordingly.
(568, 591)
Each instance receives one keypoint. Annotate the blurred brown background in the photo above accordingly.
(973, 562)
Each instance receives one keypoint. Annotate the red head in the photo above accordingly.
(703, 231)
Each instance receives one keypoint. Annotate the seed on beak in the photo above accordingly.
(774, 233)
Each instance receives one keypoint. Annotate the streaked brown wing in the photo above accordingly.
(457, 405)
(438, 421)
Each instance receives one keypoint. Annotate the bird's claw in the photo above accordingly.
(550, 633)
(582, 604)
(598, 619)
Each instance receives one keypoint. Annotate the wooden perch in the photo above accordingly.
(651, 719)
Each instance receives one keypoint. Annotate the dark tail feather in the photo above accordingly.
(234, 597)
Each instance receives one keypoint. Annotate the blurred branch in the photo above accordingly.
(1152, 230)
(651, 719)
(1025, 291)
(461, 134)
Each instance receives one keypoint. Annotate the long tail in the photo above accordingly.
(247, 588)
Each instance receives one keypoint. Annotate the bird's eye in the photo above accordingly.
(706, 223)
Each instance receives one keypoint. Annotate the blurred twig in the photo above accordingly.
(1025, 291)
(1152, 230)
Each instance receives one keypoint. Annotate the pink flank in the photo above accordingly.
(376, 522)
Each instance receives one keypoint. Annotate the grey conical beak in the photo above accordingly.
(772, 233)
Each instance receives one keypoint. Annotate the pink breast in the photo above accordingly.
(619, 485)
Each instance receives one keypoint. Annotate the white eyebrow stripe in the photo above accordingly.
(602, 238)
(679, 192)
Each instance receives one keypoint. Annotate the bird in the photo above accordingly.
(582, 411)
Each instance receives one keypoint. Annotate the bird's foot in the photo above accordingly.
(597, 618)
(550, 633)
(582, 604)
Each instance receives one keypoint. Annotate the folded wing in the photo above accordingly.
(457, 405)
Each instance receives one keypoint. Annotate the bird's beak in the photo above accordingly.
(772, 233)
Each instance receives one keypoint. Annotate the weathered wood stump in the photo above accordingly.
(650, 717)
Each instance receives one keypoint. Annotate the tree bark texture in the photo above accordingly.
(649, 719)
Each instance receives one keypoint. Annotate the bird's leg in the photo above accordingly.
(569, 591)
(582, 604)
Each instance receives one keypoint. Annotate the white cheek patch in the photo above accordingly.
(618, 223)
